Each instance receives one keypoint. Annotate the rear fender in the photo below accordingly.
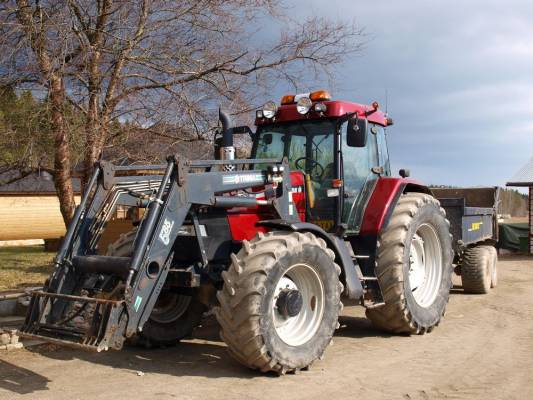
(383, 201)
(350, 271)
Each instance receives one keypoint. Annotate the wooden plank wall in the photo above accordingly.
(31, 217)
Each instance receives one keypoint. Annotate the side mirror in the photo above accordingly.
(357, 132)
(239, 130)
(267, 138)
(404, 173)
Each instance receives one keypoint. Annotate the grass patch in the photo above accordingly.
(24, 266)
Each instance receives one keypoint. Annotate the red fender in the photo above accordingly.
(384, 199)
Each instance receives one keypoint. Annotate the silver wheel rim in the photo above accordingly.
(299, 329)
(170, 307)
(425, 265)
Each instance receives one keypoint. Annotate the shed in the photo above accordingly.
(29, 208)
(524, 178)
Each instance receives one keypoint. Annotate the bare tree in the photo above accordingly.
(157, 62)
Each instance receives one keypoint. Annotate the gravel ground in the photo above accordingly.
(483, 349)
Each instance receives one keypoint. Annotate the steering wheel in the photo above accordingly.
(315, 175)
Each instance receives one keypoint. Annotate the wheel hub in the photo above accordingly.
(425, 265)
(289, 303)
(298, 304)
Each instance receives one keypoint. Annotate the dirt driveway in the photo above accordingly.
(483, 349)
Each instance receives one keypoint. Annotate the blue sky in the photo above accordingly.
(459, 78)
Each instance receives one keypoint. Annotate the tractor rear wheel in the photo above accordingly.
(479, 264)
(413, 267)
(174, 316)
(280, 301)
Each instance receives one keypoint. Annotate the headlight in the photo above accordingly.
(270, 109)
(304, 105)
(320, 107)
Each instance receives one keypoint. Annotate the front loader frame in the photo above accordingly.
(171, 193)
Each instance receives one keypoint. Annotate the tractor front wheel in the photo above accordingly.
(413, 267)
(280, 301)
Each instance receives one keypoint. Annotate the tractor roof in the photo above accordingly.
(334, 109)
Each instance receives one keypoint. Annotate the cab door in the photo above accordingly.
(362, 167)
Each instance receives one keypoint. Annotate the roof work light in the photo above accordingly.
(303, 105)
(270, 109)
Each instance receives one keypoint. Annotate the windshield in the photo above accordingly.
(308, 145)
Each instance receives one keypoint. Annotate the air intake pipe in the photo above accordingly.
(227, 150)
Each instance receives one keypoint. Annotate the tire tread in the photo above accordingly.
(394, 315)
(239, 315)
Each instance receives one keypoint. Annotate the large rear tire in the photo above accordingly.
(477, 269)
(174, 316)
(280, 301)
(413, 266)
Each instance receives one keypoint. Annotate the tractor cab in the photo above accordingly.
(339, 146)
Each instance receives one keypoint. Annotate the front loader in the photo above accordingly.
(273, 243)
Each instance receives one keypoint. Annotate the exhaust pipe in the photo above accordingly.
(227, 150)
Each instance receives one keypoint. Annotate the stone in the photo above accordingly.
(14, 346)
(5, 338)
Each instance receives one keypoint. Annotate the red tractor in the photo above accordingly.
(273, 242)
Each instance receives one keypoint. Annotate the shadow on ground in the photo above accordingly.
(457, 289)
(204, 356)
(358, 327)
(20, 380)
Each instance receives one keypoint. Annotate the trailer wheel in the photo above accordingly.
(280, 301)
(413, 266)
(477, 269)
(174, 316)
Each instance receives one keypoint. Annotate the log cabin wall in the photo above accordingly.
(24, 217)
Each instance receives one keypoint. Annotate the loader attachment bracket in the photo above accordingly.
(108, 174)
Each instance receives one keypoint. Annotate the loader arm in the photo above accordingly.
(172, 197)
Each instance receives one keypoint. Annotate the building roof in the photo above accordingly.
(35, 183)
(524, 176)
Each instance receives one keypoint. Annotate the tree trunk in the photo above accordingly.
(62, 176)
(92, 133)
(56, 94)
(95, 135)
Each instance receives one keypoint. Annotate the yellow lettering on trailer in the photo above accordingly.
(476, 226)
(325, 224)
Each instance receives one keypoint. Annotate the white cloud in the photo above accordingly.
(458, 75)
